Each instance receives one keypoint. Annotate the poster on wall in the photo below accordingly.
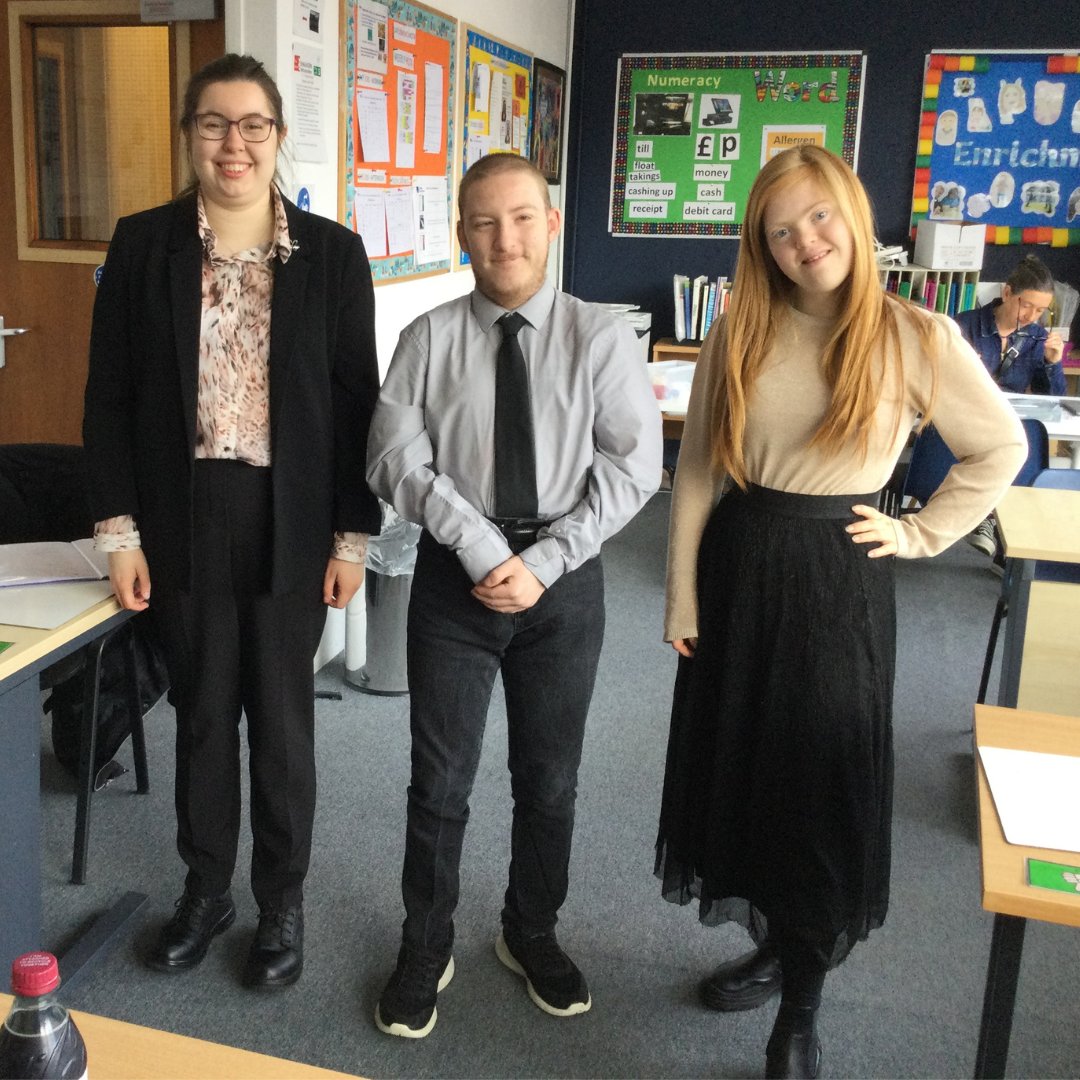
(305, 131)
(307, 19)
(545, 136)
(692, 131)
(399, 156)
(496, 91)
(999, 144)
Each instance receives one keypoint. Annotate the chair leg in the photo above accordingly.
(134, 704)
(1000, 611)
(87, 753)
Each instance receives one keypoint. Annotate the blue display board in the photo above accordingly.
(999, 143)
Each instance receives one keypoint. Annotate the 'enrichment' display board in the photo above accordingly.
(999, 143)
(692, 132)
(399, 134)
(496, 91)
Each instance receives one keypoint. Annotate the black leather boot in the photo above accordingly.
(185, 938)
(276, 957)
(744, 983)
(794, 1049)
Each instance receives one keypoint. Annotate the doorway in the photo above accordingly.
(88, 106)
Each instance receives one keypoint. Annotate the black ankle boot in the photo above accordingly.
(794, 1049)
(276, 957)
(744, 983)
(186, 937)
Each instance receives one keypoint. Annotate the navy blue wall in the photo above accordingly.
(895, 38)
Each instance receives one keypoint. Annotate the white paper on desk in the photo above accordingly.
(49, 606)
(1037, 796)
(45, 561)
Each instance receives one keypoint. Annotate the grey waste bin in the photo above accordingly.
(388, 576)
(384, 670)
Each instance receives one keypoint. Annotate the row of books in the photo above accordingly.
(947, 297)
(697, 304)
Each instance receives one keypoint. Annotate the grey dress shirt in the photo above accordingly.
(597, 425)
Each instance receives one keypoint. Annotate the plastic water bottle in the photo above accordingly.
(39, 1040)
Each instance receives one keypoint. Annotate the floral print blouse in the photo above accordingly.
(233, 404)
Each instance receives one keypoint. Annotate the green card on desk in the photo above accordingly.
(1051, 875)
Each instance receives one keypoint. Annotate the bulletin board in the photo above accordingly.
(999, 142)
(399, 69)
(496, 91)
(692, 131)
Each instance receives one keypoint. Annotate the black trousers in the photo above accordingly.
(232, 648)
(548, 657)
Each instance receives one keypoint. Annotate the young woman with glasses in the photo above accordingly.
(1020, 354)
(232, 380)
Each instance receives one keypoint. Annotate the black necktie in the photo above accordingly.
(515, 452)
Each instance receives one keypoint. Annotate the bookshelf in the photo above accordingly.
(698, 301)
(947, 291)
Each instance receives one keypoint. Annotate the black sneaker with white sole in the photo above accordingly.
(553, 980)
(407, 1006)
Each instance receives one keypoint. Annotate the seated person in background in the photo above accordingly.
(1020, 355)
(1017, 351)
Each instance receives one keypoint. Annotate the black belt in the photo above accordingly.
(519, 533)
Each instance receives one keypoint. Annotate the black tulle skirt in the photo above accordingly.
(777, 801)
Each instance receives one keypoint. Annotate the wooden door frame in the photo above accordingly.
(21, 14)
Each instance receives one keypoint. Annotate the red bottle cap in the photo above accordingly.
(34, 974)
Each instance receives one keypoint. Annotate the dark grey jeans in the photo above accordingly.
(548, 657)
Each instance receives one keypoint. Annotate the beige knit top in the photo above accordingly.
(785, 408)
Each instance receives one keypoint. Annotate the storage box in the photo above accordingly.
(671, 381)
(942, 245)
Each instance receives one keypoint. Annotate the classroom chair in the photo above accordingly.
(931, 460)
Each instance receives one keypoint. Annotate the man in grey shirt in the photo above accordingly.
(524, 596)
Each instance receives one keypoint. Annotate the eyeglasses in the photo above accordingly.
(215, 127)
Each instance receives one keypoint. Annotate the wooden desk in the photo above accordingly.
(32, 644)
(1004, 874)
(119, 1051)
(667, 348)
(1039, 668)
(20, 780)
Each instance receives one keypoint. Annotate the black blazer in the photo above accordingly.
(140, 414)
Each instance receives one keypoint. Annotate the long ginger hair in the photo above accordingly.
(866, 325)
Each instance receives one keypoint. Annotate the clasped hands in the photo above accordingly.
(509, 588)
